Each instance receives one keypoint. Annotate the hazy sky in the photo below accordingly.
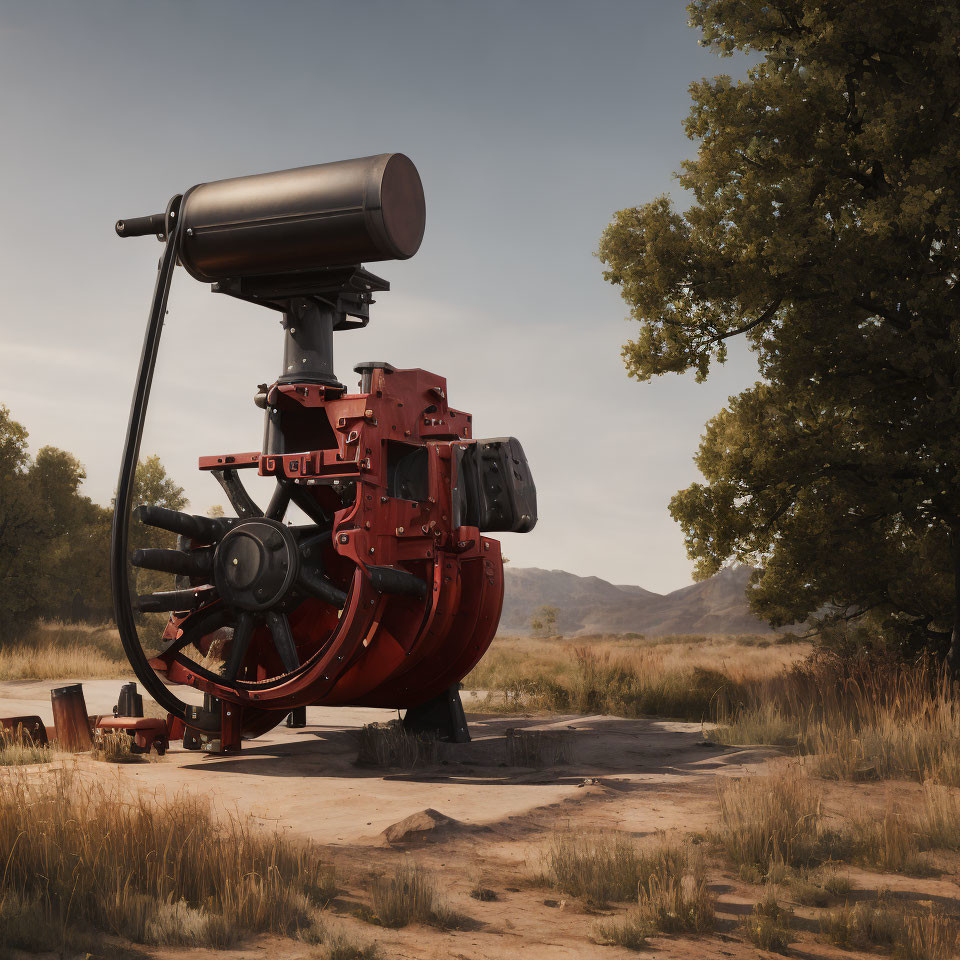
(530, 123)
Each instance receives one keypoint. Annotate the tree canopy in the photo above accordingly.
(824, 229)
(54, 541)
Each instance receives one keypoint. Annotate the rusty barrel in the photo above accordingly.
(70, 718)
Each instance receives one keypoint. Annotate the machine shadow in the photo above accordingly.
(602, 749)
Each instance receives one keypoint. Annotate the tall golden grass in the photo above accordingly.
(860, 718)
(918, 935)
(55, 650)
(772, 825)
(77, 852)
(679, 677)
(603, 867)
(863, 719)
(18, 749)
(410, 895)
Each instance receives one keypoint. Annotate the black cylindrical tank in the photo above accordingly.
(328, 215)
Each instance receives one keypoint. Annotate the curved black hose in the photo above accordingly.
(119, 534)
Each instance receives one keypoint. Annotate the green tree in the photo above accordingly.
(153, 486)
(21, 533)
(73, 569)
(53, 540)
(544, 621)
(825, 231)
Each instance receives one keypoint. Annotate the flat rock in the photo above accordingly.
(426, 824)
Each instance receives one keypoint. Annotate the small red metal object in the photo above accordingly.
(147, 732)
(31, 727)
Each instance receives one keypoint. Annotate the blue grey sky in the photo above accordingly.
(530, 123)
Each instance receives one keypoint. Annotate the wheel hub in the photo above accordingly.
(255, 564)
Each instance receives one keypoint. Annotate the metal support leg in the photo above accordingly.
(442, 716)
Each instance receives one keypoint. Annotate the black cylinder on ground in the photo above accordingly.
(309, 218)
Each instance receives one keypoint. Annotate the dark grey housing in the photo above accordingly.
(308, 218)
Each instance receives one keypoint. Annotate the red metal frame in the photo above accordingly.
(382, 650)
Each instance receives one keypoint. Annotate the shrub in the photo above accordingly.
(677, 904)
(772, 820)
(410, 896)
(768, 926)
(389, 745)
(863, 925)
(630, 931)
(607, 867)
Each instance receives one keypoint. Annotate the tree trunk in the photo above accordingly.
(953, 654)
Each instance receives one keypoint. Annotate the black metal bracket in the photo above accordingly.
(442, 716)
(348, 290)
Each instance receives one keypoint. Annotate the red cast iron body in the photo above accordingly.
(382, 650)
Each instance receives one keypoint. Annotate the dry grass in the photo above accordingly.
(768, 925)
(482, 892)
(937, 822)
(929, 936)
(631, 931)
(771, 825)
(115, 746)
(861, 719)
(341, 946)
(57, 650)
(911, 936)
(677, 904)
(149, 871)
(888, 843)
(410, 896)
(773, 820)
(819, 888)
(387, 745)
(862, 926)
(670, 887)
(608, 867)
(678, 677)
(538, 748)
(17, 749)
(25, 926)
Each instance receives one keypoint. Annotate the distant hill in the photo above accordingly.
(591, 605)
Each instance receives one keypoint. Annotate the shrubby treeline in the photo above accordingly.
(54, 541)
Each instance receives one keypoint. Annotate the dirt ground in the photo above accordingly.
(641, 776)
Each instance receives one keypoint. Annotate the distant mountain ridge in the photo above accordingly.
(591, 605)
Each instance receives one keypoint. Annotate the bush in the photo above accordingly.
(389, 745)
(607, 867)
(677, 904)
(768, 926)
(410, 896)
(772, 820)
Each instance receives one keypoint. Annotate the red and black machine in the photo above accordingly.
(391, 591)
